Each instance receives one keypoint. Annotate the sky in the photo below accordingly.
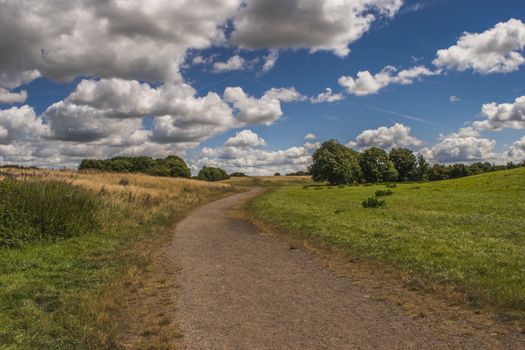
(257, 85)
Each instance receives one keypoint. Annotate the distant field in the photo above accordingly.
(269, 181)
(468, 232)
(70, 241)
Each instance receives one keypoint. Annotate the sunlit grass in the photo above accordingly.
(62, 291)
(468, 232)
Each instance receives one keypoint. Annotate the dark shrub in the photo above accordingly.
(374, 202)
(238, 174)
(124, 181)
(381, 193)
(277, 174)
(391, 185)
(212, 174)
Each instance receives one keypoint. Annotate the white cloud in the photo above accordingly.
(251, 159)
(454, 99)
(516, 152)
(329, 25)
(140, 40)
(8, 97)
(270, 61)
(310, 136)
(265, 110)
(464, 146)
(497, 50)
(367, 84)
(20, 123)
(327, 96)
(245, 138)
(501, 116)
(285, 94)
(397, 135)
(234, 63)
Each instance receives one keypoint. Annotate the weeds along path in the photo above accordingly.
(240, 289)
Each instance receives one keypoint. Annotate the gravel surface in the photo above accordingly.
(240, 289)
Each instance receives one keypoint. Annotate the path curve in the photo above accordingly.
(240, 289)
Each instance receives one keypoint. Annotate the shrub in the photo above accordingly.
(277, 174)
(374, 202)
(124, 181)
(237, 174)
(381, 193)
(34, 211)
(212, 174)
(391, 185)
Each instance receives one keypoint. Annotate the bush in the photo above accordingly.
(374, 202)
(391, 185)
(238, 174)
(212, 174)
(124, 181)
(37, 211)
(277, 174)
(169, 166)
(381, 193)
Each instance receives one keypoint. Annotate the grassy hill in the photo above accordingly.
(468, 232)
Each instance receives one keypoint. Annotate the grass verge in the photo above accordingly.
(467, 233)
(62, 289)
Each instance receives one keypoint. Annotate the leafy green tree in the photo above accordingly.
(422, 169)
(458, 170)
(335, 163)
(376, 166)
(405, 163)
(212, 174)
(177, 167)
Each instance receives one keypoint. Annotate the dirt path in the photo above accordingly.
(240, 289)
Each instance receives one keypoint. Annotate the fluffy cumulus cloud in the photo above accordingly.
(251, 110)
(502, 116)
(8, 97)
(327, 96)
(517, 151)
(63, 39)
(397, 135)
(366, 83)
(310, 136)
(315, 25)
(245, 138)
(466, 145)
(232, 64)
(497, 50)
(285, 94)
(20, 123)
(244, 153)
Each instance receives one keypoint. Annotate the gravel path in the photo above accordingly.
(240, 289)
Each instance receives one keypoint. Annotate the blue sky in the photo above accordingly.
(403, 35)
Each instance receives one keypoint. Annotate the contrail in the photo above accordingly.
(400, 115)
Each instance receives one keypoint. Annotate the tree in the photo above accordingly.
(212, 174)
(376, 166)
(422, 169)
(277, 174)
(237, 174)
(177, 167)
(405, 163)
(335, 163)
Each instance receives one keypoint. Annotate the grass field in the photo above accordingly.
(70, 242)
(468, 233)
(268, 181)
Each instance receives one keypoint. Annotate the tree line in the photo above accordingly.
(337, 164)
(170, 166)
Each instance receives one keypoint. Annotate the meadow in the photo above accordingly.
(467, 233)
(68, 242)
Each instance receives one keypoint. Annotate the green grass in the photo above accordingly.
(468, 232)
(66, 251)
